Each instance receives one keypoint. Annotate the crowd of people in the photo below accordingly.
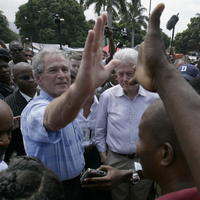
(62, 113)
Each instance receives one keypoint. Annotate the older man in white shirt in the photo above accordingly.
(119, 113)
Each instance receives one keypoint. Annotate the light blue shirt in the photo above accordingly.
(61, 150)
(88, 124)
(3, 165)
(118, 119)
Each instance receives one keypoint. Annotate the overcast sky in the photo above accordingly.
(185, 8)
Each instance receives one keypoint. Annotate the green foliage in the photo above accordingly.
(5, 33)
(36, 21)
(165, 39)
(189, 39)
(126, 40)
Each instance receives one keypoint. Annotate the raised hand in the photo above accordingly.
(152, 57)
(92, 73)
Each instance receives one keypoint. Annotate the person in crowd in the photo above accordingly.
(49, 128)
(198, 63)
(87, 119)
(189, 71)
(28, 55)
(119, 113)
(181, 102)
(17, 53)
(180, 61)
(75, 61)
(107, 57)
(24, 80)
(5, 75)
(27, 178)
(2, 44)
(161, 157)
(6, 124)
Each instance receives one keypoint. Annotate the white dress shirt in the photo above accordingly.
(88, 124)
(118, 118)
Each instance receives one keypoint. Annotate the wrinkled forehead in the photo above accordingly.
(55, 60)
(125, 67)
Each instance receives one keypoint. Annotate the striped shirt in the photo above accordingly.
(61, 150)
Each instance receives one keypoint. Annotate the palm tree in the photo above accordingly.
(107, 5)
(134, 17)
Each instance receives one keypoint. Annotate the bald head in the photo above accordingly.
(6, 117)
(159, 126)
(23, 78)
(21, 67)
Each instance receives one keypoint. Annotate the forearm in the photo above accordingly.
(64, 109)
(183, 105)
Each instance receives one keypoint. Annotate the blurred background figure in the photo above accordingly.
(6, 124)
(75, 61)
(28, 55)
(5, 74)
(27, 178)
(17, 53)
(24, 80)
(189, 71)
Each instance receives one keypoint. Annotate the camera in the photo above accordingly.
(92, 173)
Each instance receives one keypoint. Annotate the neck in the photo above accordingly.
(29, 93)
(177, 183)
(133, 91)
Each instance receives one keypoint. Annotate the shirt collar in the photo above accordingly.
(28, 98)
(120, 91)
(45, 95)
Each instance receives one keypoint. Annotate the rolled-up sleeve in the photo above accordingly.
(32, 123)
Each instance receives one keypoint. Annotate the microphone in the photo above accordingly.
(172, 22)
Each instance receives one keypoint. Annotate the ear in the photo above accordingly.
(167, 154)
(37, 78)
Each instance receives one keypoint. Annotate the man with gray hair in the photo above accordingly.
(50, 131)
(119, 113)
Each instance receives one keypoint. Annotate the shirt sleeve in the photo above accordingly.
(35, 126)
(101, 124)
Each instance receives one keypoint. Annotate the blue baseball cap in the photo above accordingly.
(189, 71)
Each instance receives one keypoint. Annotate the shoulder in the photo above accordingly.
(149, 95)
(11, 98)
(35, 105)
(112, 91)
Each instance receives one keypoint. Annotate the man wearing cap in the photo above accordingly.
(189, 71)
(5, 78)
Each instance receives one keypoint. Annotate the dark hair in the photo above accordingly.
(27, 178)
(4, 55)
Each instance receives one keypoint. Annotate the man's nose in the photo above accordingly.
(125, 77)
(61, 73)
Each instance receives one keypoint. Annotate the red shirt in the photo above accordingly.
(186, 194)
